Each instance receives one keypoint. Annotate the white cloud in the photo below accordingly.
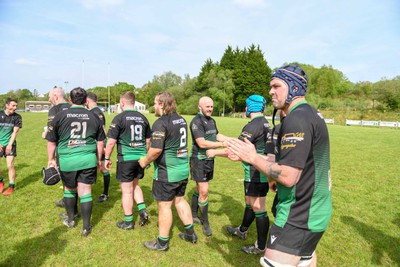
(103, 4)
(24, 61)
(251, 3)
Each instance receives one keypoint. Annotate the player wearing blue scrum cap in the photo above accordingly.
(301, 171)
(255, 182)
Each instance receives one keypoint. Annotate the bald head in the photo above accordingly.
(57, 95)
(206, 106)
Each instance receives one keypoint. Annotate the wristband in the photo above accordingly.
(106, 158)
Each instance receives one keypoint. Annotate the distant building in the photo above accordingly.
(37, 106)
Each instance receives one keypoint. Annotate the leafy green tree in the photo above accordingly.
(159, 84)
(201, 83)
(251, 76)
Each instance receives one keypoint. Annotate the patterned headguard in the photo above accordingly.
(255, 103)
(295, 78)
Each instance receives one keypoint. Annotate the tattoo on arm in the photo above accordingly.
(271, 173)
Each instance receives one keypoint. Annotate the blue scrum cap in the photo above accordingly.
(295, 78)
(255, 103)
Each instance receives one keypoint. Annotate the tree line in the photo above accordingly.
(240, 73)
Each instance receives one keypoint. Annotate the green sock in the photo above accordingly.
(128, 218)
(141, 206)
(163, 240)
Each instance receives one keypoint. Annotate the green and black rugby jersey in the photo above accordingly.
(7, 124)
(100, 114)
(202, 126)
(76, 132)
(272, 141)
(169, 133)
(256, 131)
(56, 109)
(131, 129)
(304, 143)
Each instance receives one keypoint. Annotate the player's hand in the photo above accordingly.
(52, 163)
(8, 149)
(107, 164)
(142, 163)
(210, 153)
(244, 150)
(1, 148)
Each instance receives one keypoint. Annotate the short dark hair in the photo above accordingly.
(78, 96)
(10, 99)
(129, 97)
(92, 96)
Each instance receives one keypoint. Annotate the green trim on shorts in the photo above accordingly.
(86, 198)
(69, 193)
(128, 218)
(106, 173)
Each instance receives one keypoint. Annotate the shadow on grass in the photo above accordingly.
(34, 251)
(25, 181)
(114, 195)
(381, 242)
(228, 249)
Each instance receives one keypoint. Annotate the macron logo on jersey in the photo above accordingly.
(69, 115)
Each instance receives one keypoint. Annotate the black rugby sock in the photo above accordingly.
(195, 203)
(107, 178)
(262, 223)
(204, 210)
(248, 218)
(86, 209)
(70, 203)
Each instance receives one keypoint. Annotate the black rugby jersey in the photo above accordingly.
(303, 142)
(76, 132)
(131, 129)
(256, 131)
(169, 133)
(202, 126)
(55, 109)
(7, 124)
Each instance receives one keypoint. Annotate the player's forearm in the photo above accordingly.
(285, 175)
(152, 155)
(51, 148)
(13, 135)
(100, 147)
(206, 144)
(109, 148)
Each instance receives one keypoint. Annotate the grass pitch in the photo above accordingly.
(364, 229)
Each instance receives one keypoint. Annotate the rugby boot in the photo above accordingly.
(189, 238)
(144, 217)
(236, 232)
(86, 232)
(155, 245)
(206, 228)
(126, 225)
(8, 191)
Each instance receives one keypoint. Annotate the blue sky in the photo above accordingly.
(99, 42)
